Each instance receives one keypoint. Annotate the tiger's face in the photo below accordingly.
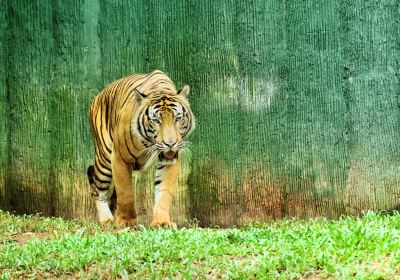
(168, 120)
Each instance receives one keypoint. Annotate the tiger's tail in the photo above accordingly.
(92, 184)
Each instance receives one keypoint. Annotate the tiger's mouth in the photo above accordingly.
(168, 156)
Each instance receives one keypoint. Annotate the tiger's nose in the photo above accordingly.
(170, 142)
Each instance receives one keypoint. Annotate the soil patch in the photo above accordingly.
(22, 238)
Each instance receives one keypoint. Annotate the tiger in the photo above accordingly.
(136, 122)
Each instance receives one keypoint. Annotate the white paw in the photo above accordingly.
(103, 212)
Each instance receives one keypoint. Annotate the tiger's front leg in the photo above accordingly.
(165, 185)
(122, 175)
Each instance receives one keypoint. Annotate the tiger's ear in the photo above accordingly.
(139, 96)
(184, 91)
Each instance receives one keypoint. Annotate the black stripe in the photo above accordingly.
(101, 126)
(106, 118)
(101, 181)
(101, 150)
(125, 161)
(104, 174)
(118, 118)
(100, 154)
(126, 99)
(100, 135)
(139, 123)
(159, 82)
(139, 128)
(160, 167)
(147, 136)
(101, 165)
(102, 188)
(133, 142)
(142, 130)
(157, 182)
(104, 166)
(129, 150)
(153, 73)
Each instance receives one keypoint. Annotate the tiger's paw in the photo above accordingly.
(125, 215)
(125, 222)
(103, 212)
(106, 220)
(156, 224)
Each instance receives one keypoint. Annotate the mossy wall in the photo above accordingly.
(297, 102)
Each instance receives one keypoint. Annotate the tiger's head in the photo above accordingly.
(166, 120)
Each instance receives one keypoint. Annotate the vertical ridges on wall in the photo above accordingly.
(371, 53)
(238, 74)
(316, 156)
(3, 102)
(123, 47)
(213, 61)
(76, 57)
(260, 45)
(29, 71)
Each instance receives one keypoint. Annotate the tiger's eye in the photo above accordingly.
(155, 121)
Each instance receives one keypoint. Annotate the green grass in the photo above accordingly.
(34, 247)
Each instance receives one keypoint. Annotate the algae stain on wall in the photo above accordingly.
(238, 172)
(250, 94)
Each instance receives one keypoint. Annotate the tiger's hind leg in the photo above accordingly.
(100, 181)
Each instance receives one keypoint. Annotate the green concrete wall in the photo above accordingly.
(297, 102)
